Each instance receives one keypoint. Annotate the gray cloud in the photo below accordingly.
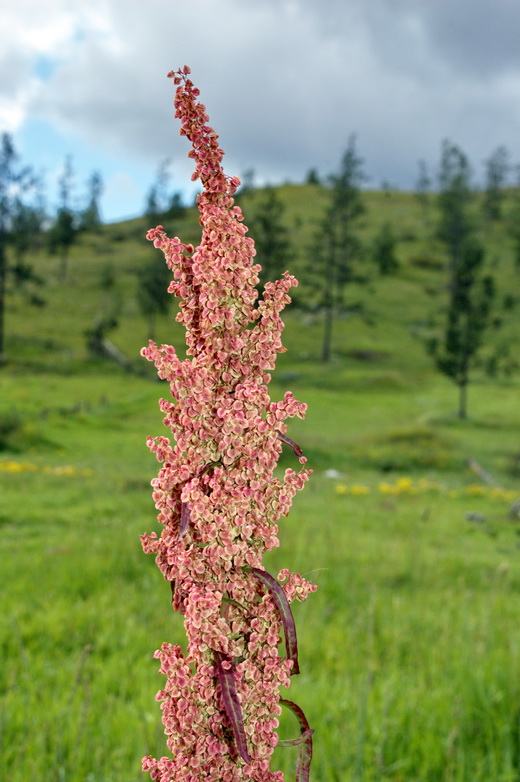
(479, 38)
(287, 81)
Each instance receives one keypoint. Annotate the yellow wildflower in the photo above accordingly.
(388, 488)
(404, 485)
(358, 489)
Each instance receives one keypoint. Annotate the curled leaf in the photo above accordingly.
(305, 754)
(295, 742)
(185, 519)
(177, 601)
(229, 694)
(287, 440)
(284, 609)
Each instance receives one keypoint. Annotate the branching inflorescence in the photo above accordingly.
(217, 494)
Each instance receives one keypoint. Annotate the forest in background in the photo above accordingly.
(410, 524)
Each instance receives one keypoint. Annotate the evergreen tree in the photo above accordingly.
(63, 232)
(271, 236)
(383, 250)
(151, 209)
(470, 292)
(152, 291)
(470, 300)
(247, 180)
(157, 200)
(513, 222)
(497, 170)
(313, 178)
(27, 223)
(423, 188)
(90, 219)
(176, 207)
(337, 247)
(454, 199)
(15, 182)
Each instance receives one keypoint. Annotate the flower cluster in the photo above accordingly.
(217, 495)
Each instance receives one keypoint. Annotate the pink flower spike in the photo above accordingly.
(218, 494)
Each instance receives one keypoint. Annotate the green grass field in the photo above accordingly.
(410, 649)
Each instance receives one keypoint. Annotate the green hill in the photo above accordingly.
(53, 337)
(409, 653)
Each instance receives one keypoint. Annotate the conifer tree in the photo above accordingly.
(497, 169)
(383, 250)
(423, 187)
(15, 181)
(157, 201)
(91, 216)
(176, 207)
(152, 291)
(513, 221)
(313, 177)
(27, 223)
(455, 196)
(271, 236)
(470, 291)
(470, 300)
(64, 230)
(337, 247)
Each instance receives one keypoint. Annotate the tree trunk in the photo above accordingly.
(463, 410)
(64, 257)
(329, 300)
(327, 332)
(151, 326)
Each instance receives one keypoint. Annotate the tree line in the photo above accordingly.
(26, 225)
(337, 258)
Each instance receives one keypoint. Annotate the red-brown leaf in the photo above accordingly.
(284, 609)
(231, 703)
(305, 754)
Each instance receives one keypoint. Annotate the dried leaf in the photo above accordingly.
(185, 518)
(284, 609)
(232, 706)
(287, 440)
(295, 742)
(305, 754)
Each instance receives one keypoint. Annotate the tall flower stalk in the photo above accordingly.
(217, 494)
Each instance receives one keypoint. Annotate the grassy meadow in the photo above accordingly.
(410, 649)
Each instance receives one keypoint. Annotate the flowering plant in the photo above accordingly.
(218, 498)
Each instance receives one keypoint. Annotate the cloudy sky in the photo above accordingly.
(286, 82)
